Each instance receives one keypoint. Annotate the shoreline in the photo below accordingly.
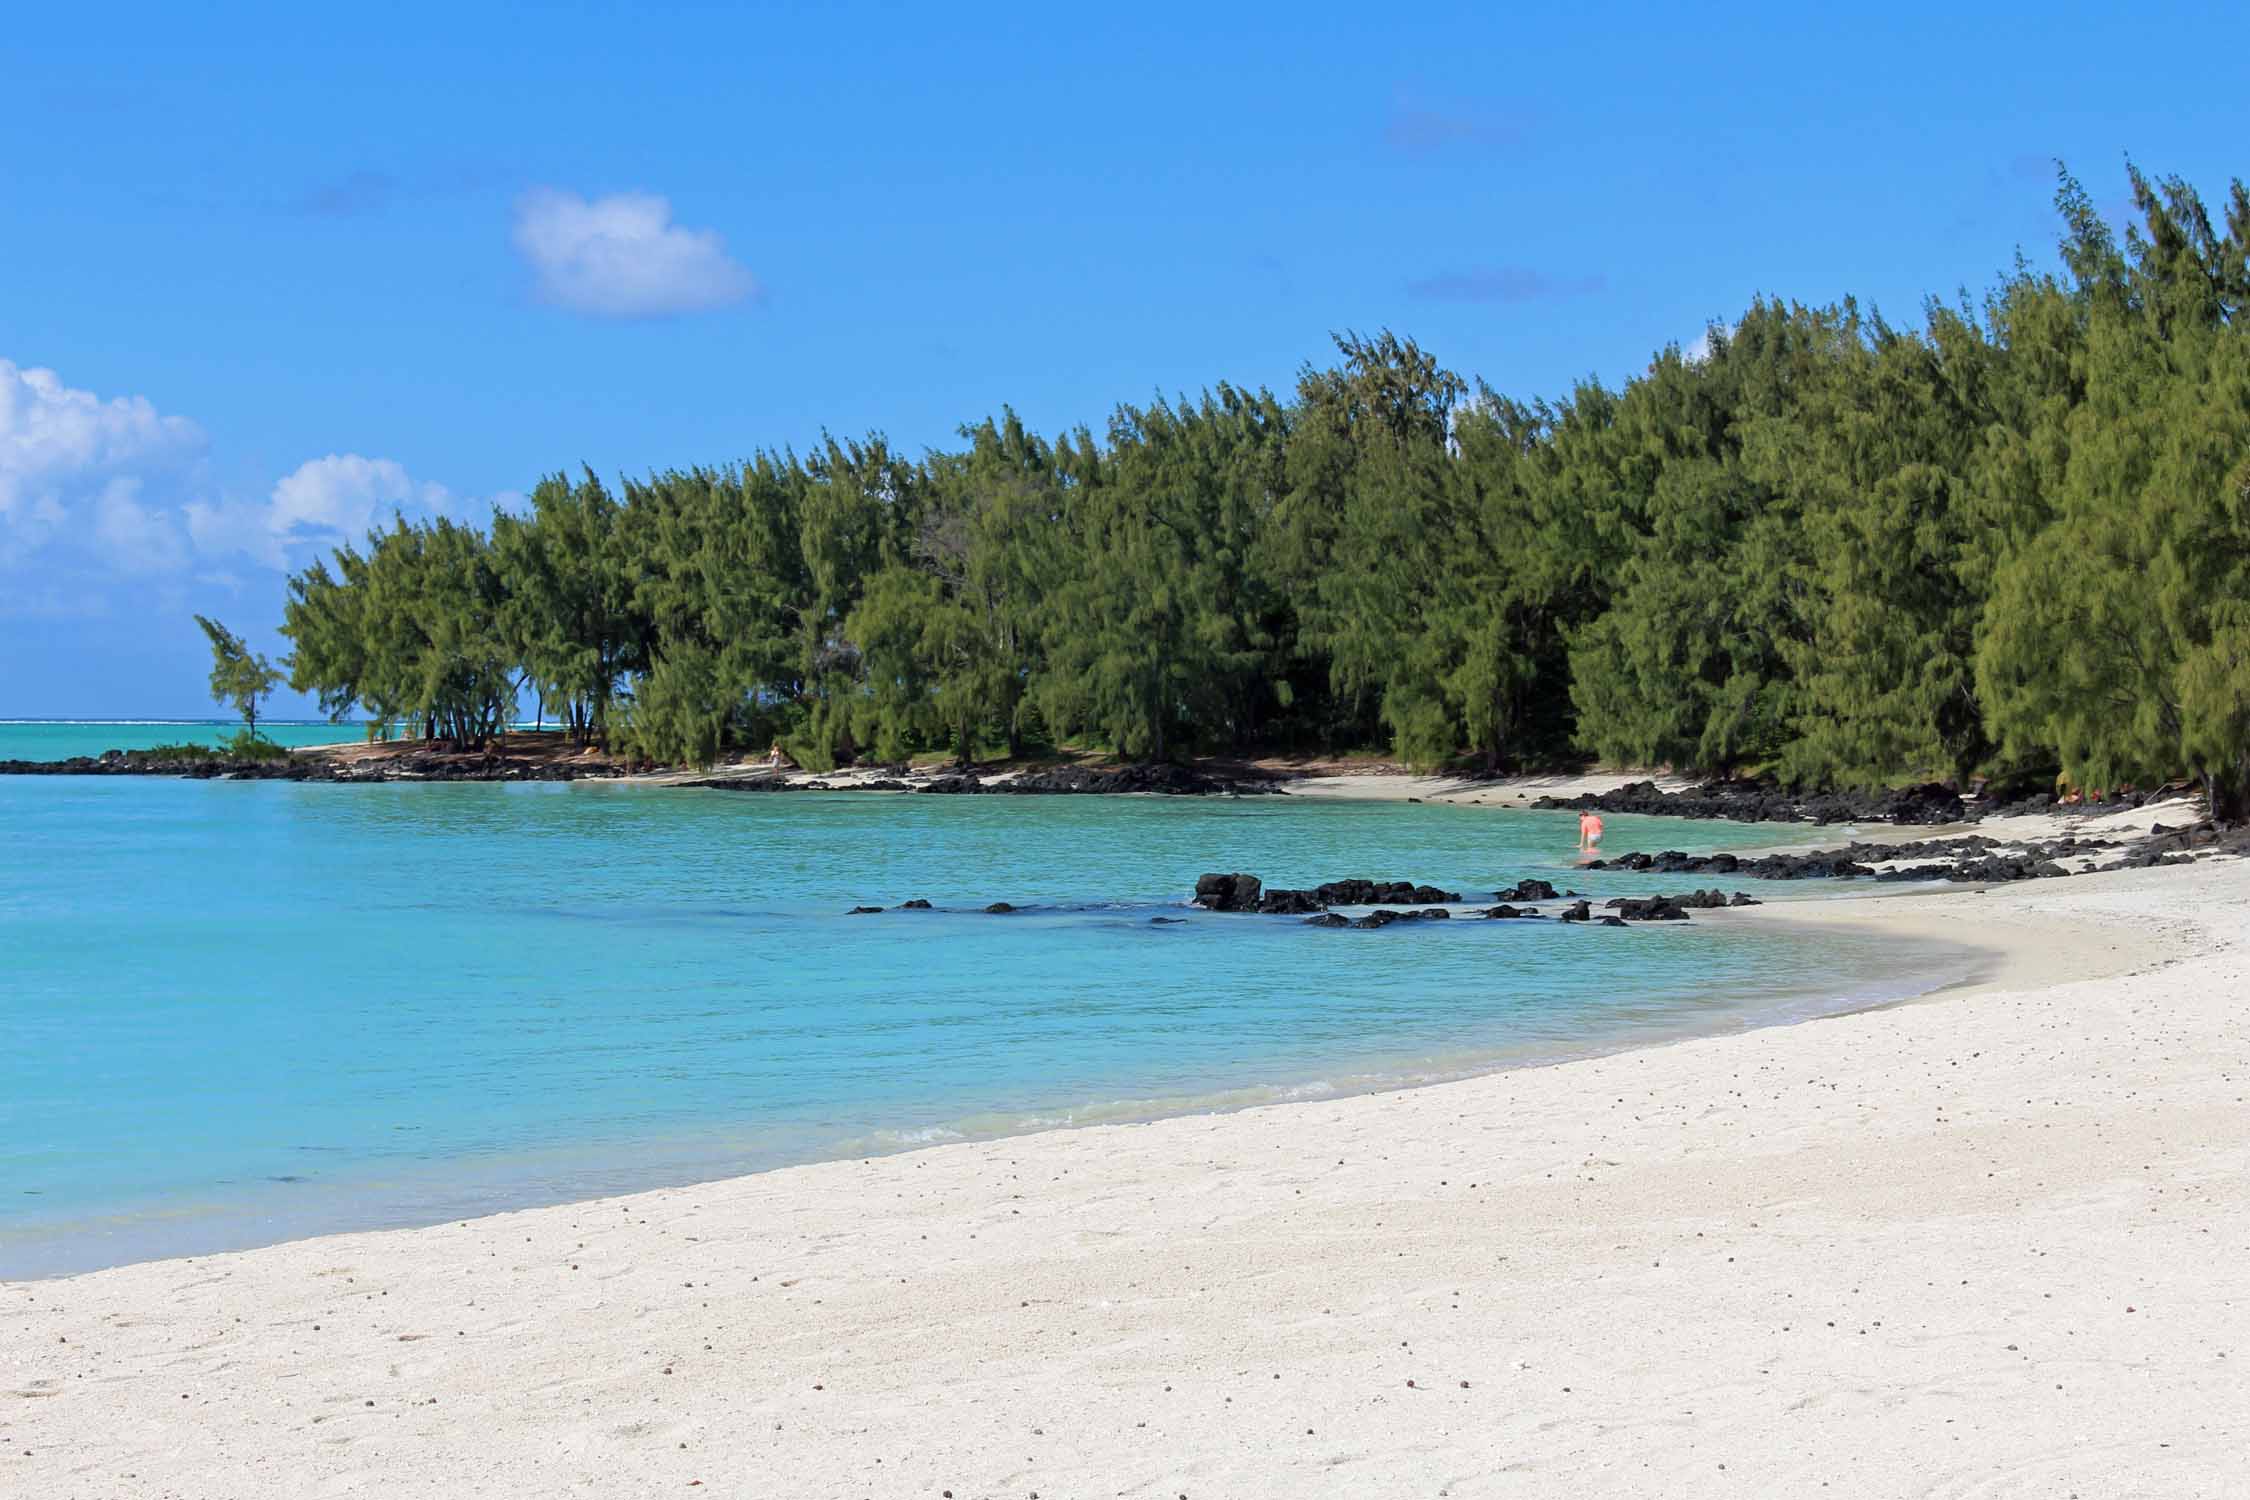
(1941, 962)
(1885, 1146)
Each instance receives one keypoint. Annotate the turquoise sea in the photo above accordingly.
(238, 1012)
(60, 739)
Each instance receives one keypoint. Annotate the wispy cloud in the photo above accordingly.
(320, 503)
(354, 195)
(1420, 128)
(623, 256)
(1504, 284)
(366, 192)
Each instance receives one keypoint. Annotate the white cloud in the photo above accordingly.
(73, 467)
(96, 491)
(138, 538)
(320, 503)
(623, 257)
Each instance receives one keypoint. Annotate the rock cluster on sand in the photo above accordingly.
(1765, 802)
(1176, 781)
(1971, 858)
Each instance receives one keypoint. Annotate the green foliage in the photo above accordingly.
(239, 676)
(679, 711)
(2008, 538)
(2118, 635)
(243, 744)
(248, 744)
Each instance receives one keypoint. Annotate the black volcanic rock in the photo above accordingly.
(1241, 893)
(1161, 778)
(1650, 909)
(1766, 802)
(1237, 892)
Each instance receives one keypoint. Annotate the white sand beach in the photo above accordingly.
(1995, 1242)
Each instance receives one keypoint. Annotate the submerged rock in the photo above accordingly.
(1385, 916)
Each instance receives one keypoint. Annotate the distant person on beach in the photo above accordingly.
(1589, 830)
(775, 760)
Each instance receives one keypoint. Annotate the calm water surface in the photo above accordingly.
(231, 1013)
(60, 739)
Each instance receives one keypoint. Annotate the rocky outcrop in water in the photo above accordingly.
(1383, 917)
(1246, 893)
(1648, 909)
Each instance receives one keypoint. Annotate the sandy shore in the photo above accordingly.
(1990, 1243)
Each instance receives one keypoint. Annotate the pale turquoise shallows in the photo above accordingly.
(234, 1012)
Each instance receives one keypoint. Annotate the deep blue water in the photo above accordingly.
(232, 1013)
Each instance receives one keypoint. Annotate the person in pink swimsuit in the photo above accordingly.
(1589, 830)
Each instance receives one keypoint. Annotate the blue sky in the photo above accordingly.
(268, 271)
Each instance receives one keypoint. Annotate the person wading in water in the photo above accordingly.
(1589, 831)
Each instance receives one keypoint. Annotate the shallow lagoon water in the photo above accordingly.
(237, 1012)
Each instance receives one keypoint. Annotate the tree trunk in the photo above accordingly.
(2227, 793)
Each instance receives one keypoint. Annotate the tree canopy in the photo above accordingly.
(239, 676)
(2011, 538)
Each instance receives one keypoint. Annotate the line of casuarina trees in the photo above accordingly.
(2013, 540)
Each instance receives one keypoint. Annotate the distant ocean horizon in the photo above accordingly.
(34, 738)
